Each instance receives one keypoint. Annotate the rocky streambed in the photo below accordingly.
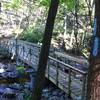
(22, 91)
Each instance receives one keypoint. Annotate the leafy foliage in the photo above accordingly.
(36, 13)
(14, 4)
(32, 35)
(68, 4)
(20, 69)
(45, 3)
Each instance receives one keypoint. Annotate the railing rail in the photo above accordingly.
(68, 66)
(71, 72)
(75, 59)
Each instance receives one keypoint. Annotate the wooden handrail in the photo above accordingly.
(68, 66)
(25, 42)
(78, 60)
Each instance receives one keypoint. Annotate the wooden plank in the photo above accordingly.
(78, 60)
(76, 86)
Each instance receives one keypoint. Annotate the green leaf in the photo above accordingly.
(68, 4)
(20, 68)
(45, 3)
(15, 4)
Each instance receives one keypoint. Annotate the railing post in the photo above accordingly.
(84, 87)
(12, 46)
(23, 51)
(57, 73)
(30, 53)
(69, 84)
(7, 48)
(4, 48)
(0, 46)
(48, 67)
(16, 52)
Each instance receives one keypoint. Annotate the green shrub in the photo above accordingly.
(32, 35)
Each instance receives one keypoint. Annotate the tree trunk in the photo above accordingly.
(93, 85)
(0, 7)
(45, 50)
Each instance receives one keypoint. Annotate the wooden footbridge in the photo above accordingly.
(69, 74)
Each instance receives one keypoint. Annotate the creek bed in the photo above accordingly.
(22, 91)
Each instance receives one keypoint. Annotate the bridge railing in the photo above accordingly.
(25, 51)
(70, 79)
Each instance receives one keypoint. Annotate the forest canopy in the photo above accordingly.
(73, 24)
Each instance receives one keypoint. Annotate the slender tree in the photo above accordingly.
(45, 50)
(93, 86)
(0, 7)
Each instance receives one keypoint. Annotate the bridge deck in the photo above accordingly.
(68, 78)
